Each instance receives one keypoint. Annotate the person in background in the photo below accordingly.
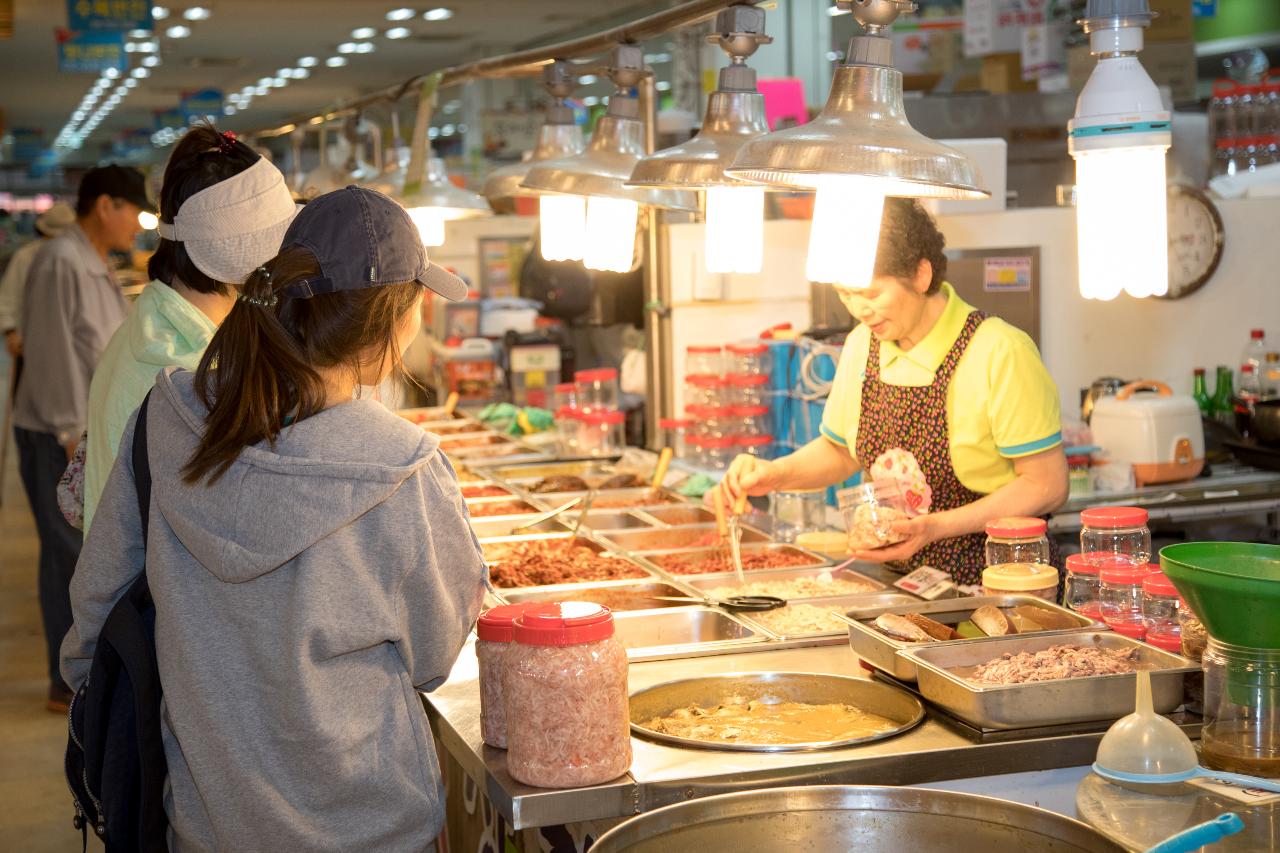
(309, 554)
(69, 312)
(49, 224)
(223, 212)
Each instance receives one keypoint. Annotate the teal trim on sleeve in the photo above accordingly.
(1032, 446)
(832, 437)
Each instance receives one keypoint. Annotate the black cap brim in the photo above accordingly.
(441, 281)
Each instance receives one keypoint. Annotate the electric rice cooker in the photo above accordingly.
(1155, 430)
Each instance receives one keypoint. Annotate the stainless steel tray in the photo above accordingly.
(1043, 703)
(479, 504)
(704, 584)
(489, 528)
(682, 632)
(621, 596)
(493, 555)
(876, 698)
(658, 558)
(503, 451)
(427, 414)
(593, 481)
(669, 538)
(485, 484)
(633, 498)
(675, 515)
(536, 471)
(455, 427)
(839, 604)
(881, 650)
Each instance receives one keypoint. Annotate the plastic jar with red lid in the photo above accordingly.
(748, 358)
(564, 395)
(715, 422)
(569, 430)
(1121, 592)
(1016, 539)
(718, 451)
(752, 420)
(747, 389)
(1160, 606)
(495, 633)
(1083, 592)
(1116, 532)
(703, 391)
(597, 389)
(602, 433)
(675, 434)
(565, 688)
(703, 360)
(759, 446)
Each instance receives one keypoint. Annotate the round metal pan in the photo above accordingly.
(876, 698)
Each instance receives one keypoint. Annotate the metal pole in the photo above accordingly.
(657, 364)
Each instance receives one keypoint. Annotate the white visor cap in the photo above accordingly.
(235, 226)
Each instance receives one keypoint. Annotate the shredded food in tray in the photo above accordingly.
(1056, 662)
(488, 510)
(484, 491)
(650, 499)
(758, 722)
(795, 619)
(540, 563)
(481, 440)
(817, 586)
(708, 562)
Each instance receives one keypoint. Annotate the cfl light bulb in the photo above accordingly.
(430, 225)
(845, 231)
(1121, 222)
(147, 220)
(611, 234)
(562, 219)
(735, 229)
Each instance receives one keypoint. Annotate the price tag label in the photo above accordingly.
(928, 583)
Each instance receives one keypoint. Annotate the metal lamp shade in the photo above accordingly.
(732, 119)
(862, 131)
(604, 168)
(442, 197)
(554, 141)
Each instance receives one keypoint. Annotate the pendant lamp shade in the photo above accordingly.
(732, 119)
(440, 195)
(554, 141)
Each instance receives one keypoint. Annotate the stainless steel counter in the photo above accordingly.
(938, 749)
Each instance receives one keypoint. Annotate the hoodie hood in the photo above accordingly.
(167, 329)
(273, 503)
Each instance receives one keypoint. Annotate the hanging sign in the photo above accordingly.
(1006, 275)
(1204, 8)
(90, 52)
(206, 103)
(995, 26)
(169, 120)
(109, 15)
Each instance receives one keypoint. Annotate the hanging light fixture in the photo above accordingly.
(560, 135)
(734, 239)
(857, 151)
(1118, 138)
(438, 201)
(601, 171)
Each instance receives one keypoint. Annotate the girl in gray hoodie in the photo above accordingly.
(309, 554)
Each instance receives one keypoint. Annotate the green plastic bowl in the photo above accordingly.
(1234, 587)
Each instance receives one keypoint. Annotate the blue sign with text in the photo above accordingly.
(109, 15)
(93, 51)
(206, 103)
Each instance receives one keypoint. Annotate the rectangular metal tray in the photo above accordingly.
(527, 509)
(427, 414)
(683, 632)
(536, 471)
(653, 557)
(841, 603)
(669, 538)
(1043, 703)
(644, 497)
(619, 596)
(485, 484)
(675, 515)
(454, 428)
(492, 549)
(502, 525)
(705, 583)
(881, 651)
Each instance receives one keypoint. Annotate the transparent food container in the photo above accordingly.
(495, 632)
(1017, 540)
(1083, 592)
(1116, 531)
(1122, 595)
(751, 359)
(597, 389)
(701, 360)
(1038, 579)
(795, 512)
(1160, 606)
(602, 433)
(746, 389)
(675, 434)
(870, 512)
(1241, 709)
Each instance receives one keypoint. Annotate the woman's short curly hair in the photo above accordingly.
(909, 235)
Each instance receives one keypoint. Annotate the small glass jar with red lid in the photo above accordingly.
(602, 433)
(1160, 606)
(759, 446)
(704, 391)
(715, 422)
(1121, 592)
(597, 389)
(1115, 532)
(1083, 592)
(675, 434)
(752, 420)
(565, 688)
(718, 451)
(569, 430)
(745, 389)
(703, 360)
(495, 632)
(1017, 539)
(749, 358)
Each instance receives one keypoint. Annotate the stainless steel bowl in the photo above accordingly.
(897, 705)
(865, 818)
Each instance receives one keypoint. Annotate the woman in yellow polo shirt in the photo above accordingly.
(955, 404)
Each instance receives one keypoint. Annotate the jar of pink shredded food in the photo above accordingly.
(495, 634)
(565, 688)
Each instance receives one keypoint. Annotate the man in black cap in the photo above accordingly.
(66, 322)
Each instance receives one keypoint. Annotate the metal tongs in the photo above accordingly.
(582, 516)
(547, 516)
(733, 602)
(732, 529)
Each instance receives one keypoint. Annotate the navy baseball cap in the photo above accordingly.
(361, 238)
(122, 182)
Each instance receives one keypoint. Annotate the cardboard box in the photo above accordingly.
(1173, 22)
(1002, 73)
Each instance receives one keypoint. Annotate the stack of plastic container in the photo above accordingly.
(1244, 125)
(587, 414)
(726, 402)
(1106, 578)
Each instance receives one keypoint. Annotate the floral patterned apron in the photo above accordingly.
(914, 420)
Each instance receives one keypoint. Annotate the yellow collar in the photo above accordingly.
(930, 352)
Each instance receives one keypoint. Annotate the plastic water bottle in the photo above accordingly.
(1255, 354)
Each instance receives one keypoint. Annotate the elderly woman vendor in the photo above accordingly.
(955, 404)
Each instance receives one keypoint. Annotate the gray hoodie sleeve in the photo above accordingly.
(114, 554)
(440, 594)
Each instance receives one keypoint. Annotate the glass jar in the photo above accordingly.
(703, 361)
(870, 511)
(752, 420)
(1017, 540)
(695, 454)
(751, 359)
(718, 451)
(1121, 594)
(569, 431)
(564, 396)
(1194, 641)
(1241, 731)
(747, 389)
(566, 697)
(1038, 579)
(495, 631)
(704, 392)
(1116, 531)
(797, 511)
(715, 422)
(597, 389)
(1083, 592)
(675, 435)
(759, 446)
(602, 433)
(1160, 606)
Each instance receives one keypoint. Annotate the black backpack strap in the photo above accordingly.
(142, 467)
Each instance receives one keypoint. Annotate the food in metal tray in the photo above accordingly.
(617, 599)
(471, 441)
(872, 527)
(1056, 662)
(757, 722)
(467, 476)
(560, 483)
(992, 621)
(649, 499)
(817, 586)
(902, 628)
(985, 621)
(455, 429)
(545, 562)
(488, 510)
(707, 562)
(797, 619)
(484, 492)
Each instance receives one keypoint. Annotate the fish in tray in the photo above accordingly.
(1055, 662)
(985, 621)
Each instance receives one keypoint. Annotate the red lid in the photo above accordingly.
(747, 379)
(755, 440)
(674, 423)
(1016, 527)
(1114, 517)
(473, 295)
(1168, 642)
(1079, 564)
(603, 374)
(453, 342)
(1133, 630)
(722, 441)
(567, 623)
(1155, 583)
(1257, 334)
(1118, 570)
(700, 379)
(717, 411)
(566, 388)
(702, 350)
(696, 411)
(693, 440)
(750, 411)
(747, 349)
(599, 417)
(1199, 371)
(497, 624)
(569, 413)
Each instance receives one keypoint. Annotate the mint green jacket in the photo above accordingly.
(162, 330)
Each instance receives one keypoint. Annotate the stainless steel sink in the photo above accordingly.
(680, 632)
